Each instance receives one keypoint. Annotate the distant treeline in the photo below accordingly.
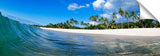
(68, 24)
(106, 24)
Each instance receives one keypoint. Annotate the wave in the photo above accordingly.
(17, 39)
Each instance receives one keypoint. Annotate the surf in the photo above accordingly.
(18, 39)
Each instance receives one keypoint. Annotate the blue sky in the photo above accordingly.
(55, 11)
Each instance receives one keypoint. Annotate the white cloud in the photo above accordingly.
(93, 23)
(114, 5)
(105, 15)
(98, 4)
(108, 5)
(87, 5)
(81, 6)
(125, 4)
(119, 16)
(75, 6)
(85, 21)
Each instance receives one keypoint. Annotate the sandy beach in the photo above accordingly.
(116, 33)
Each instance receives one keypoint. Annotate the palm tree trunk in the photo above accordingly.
(116, 25)
(134, 23)
(128, 23)
(107, 26)
(121, 24)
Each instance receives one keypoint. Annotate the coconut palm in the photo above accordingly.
(72, 21)
(76, 22)
(127, 14)
(82, 23)
(121, 12)
(103, 21)
(139, 21)
(50, 25)
(114, 16)
(85, 24)
(68, 24)
(61, 25)
(112, 24)
(134, 16)
(94, 18)
(106, 20)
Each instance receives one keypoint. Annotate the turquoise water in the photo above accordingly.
(17, 39)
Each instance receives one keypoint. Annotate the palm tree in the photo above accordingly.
(82, 23)
(139, 21)
(106, 20)
(76, 22)
(85, 24)
(61, 25)
(114, 16)
(121, 12)
(127, 16)
(103, 21)
(65, 24)
(94, 18)
(50, 25)
(72, 21)
(68, 24)
(112, 24)
(134, 16)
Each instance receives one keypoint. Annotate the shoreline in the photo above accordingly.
(136, 32)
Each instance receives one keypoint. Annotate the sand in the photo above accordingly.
(116, 33)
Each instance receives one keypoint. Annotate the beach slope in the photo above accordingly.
(120, 32)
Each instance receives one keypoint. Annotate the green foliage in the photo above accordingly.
(106, 24)
(94, 18)
(134, 15)
(114, 16)
(127, 14)
(121, 12)
(84, 24)
(68, 24)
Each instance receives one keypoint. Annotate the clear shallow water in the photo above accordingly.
(18, 39)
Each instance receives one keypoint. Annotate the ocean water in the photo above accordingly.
(17, 39)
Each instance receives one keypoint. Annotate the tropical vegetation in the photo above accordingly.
(105, 23)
